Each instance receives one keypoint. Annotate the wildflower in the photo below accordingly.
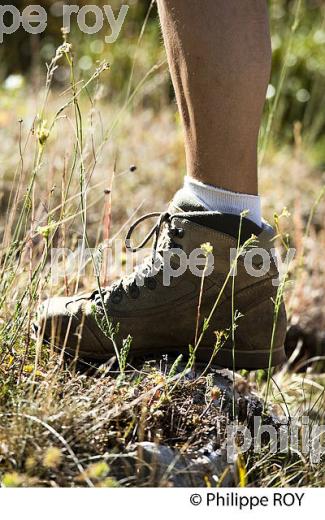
(52, 458)
(12, 480)
(215, 392)
(42, 133)
(207, 248)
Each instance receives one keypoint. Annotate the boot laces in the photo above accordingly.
(162, 231)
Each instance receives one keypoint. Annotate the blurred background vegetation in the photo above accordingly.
(298, 38)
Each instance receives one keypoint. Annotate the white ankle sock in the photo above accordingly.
(216, 199)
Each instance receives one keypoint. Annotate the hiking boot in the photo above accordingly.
(232, 316)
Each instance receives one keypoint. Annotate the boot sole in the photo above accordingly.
(243, 359)
(247, 359)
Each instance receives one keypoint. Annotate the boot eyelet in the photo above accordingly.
(116, 297)
(134, 292)
(151, 283)
(177, 232)
(180, 232)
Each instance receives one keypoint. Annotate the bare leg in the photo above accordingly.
(219, 55)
